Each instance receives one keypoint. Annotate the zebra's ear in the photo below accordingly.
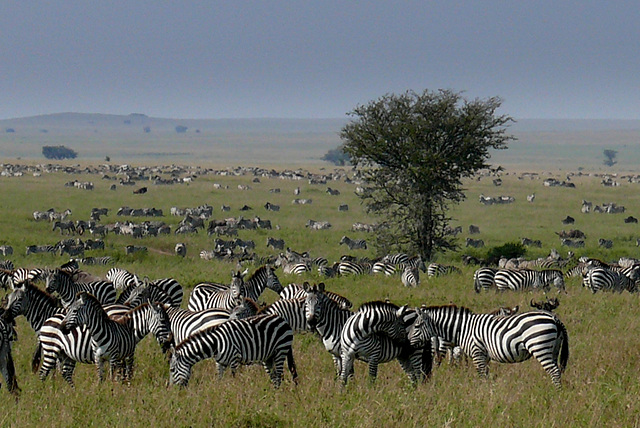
(321, 287)
(306, 286)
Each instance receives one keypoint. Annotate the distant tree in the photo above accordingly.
(147, 129)
(336, 157)
(610, 156)
(107, 159)
(412, 151)
(180, 129)
(58, 152)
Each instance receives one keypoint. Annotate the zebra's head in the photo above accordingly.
(16, 302)
(179, 370)
(237, 284)
(55, 279)
(313, 305)
(160, 326)
(273, 282)
(77, 313)
(421, 331)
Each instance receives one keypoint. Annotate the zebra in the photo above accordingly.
(102, 261)
(410, 277)
(263, 338)
(526, 279)
(505, 339)
(7, 368)
(276, 244)
(475, 243)
(116, 339)
(354, 268)
(354, 244)
(62, 282)
(210, 295)
(376, 333)
(598, 278)
(396, 259)
(35, 249)
(386, 268)
(436, 269)
(483, 278)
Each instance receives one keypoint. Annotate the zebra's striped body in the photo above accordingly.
(354, 244)
(116, 339)
(264, 277)
(62, 282)
(484, 278)
(386, 268)
(184, 322)
(376, 334)
(291, 310)
(121, 279)
(525, 279)
(264, 338)
(505, 339)
(410, 277)
(436, 269)
(596, 279)
(209, 295)
(346, 268)
(293, 291)
(96, 261)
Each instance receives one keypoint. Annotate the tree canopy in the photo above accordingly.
(413, 150)
(58, 152)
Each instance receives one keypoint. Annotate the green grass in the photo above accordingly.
(600, 385)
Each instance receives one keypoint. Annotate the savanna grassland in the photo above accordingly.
(600, 385)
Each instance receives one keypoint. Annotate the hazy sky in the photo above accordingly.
(316, 59)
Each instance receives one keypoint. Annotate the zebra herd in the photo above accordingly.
(89, 322)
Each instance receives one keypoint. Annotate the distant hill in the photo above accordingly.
(564, 144)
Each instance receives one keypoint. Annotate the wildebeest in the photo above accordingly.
(140, 191)
(631, 219)
(568, 220)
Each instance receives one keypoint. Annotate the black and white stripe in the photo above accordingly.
(266, 339)
(61, 282)
(354, 268)
(505, 339)
(437, 269)
(116, 339)
(209, 295)
(354, 244)
(526, 279)
(484, 278)
(597, 278)
(410, 277)
(293, 291)
(7, 368)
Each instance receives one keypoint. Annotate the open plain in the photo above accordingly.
(600, 385)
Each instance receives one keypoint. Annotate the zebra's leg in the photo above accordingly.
(292, 365)
(374, 360)
(337, 363)
(68, 367)
(49, 358)
(545, 358)
(347, 367)
(221, 370)
(278, 369)
(100, 366)
(128, 369)
(481, 361)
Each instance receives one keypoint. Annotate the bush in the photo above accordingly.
(58, 152)
(509, 250)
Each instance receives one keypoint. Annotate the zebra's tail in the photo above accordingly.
(564, 350)
(476, 284)
(36, 359)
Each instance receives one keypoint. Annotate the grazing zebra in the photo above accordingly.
(605, 243)
(180, 249)
(376, 333)
(548, 305)
(483, 278)
(6, 250)
(598, 278)
(67, 226)
(35, 249)
(410, 277)
(354, 268)
(276, 244)
(7, 368)
(116, 339)
(526, 279)
(436, 269)
(396, 259)
(62, 282)
(318, 225)
(354, 244)
(102, 261)
(475, 243)
(384, 267)
(264, 338)
(505, 339)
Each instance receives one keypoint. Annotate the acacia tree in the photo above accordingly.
(413, 150)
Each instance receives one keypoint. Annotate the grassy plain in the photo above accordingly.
(601, 386)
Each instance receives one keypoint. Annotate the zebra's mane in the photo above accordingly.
(378, 304)
(253, 305)
(29, 287)
(454, 308)
(125, 318)
(257, 272)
